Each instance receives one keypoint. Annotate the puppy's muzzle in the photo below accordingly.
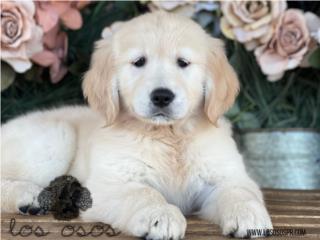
(162, 97)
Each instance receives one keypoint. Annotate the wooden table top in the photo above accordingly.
(296, 210)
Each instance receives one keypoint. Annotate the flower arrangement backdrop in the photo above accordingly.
(274, 47)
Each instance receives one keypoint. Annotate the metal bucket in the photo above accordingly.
(287, 158)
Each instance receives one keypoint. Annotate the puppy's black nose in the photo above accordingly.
(162, 97)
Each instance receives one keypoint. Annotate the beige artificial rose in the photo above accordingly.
(182, 7)
(20, 36)
(313, 23)
(250, 22)
(287, 47)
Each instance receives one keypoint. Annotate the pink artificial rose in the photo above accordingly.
(21, 38)
(287, 47)
(54, 54)
(49, 13)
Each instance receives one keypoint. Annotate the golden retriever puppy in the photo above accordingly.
(154, 146)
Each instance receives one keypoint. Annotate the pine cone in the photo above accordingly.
(64, 197)
(85, 201)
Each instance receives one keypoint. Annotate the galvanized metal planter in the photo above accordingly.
(288, 158)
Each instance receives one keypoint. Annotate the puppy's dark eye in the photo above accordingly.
(182, 63)
(140, 62)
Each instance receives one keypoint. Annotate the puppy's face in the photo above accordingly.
(160, 68)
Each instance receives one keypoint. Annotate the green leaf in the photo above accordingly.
(314, 59)
(7, 76)
(78, 68)
(248, 121)
(233, 111)
(33, 73)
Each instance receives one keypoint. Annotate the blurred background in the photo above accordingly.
(273, 45)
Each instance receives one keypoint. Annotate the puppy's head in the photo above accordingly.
(160, 68)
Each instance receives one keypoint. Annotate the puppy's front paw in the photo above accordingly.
(159, 222)
(27, 203)
(245, 220)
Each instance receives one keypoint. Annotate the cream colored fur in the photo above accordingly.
(144, 172)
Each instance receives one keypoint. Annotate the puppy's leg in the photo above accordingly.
(21, 196)
(35, 150)
(237, 206)
(136, 209)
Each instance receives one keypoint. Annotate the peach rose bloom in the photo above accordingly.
(250, 22)
(21, 38)
(287, 47)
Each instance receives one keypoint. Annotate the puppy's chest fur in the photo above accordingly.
(172, 168)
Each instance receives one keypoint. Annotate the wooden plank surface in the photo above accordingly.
(290, 209)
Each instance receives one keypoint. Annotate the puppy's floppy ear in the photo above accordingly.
(99, 84)
(222, 85)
